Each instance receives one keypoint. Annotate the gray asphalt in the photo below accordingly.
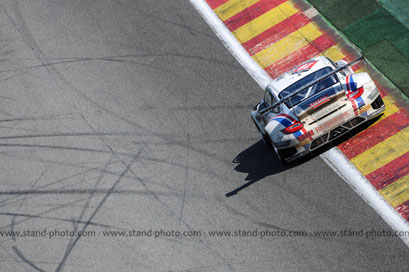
(131, 115)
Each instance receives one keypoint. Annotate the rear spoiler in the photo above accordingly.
(306, 86)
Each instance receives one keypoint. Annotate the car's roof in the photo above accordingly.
(297, 73)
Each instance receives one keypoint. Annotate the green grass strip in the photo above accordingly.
(343, 13)
(382, 38)
(392, 64)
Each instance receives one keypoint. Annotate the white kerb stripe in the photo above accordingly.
(224, 34)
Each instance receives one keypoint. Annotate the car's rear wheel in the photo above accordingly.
(266, 138)
(285, 153)
(279, 157)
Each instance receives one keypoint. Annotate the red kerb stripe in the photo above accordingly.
(251, 13)
(215, 3)
(390, 172)
(276, 33)
(299, 56)
(403, 209)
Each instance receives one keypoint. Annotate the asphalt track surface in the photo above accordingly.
(122, 115)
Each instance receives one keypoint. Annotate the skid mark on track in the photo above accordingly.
(67, 87)
(186, 178)
(56, 219)
(72, 243)
(21, 256)
(23, 200)
(40, 190)
(15, 248)
(58, 207)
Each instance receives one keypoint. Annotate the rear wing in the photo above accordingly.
(306, 86)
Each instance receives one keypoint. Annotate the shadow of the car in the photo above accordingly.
(258, 161)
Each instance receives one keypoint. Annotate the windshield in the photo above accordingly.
(328, 82)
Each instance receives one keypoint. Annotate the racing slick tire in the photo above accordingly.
(266, 138)
(280, 157)
(267, 141)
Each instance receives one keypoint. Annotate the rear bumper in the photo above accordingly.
(376, 108)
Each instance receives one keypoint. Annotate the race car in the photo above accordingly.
(313, 104)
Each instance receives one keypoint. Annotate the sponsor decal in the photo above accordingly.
(306, 141)
(304, 138)
(364, 109)
(319, 102)
(304, 67)
(333, 122)
(306, 135)
(360, 101)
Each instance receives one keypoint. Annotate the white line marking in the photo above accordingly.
(224, 34)
(333, 157)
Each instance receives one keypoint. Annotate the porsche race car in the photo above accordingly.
(313, 104)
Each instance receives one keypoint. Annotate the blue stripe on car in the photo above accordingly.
(285, 122)
(352, 84)
(297, 133)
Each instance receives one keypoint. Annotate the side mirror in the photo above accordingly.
(262, 105)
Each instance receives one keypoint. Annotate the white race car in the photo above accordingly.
(314, 104)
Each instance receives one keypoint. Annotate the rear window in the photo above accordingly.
(326, 83)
